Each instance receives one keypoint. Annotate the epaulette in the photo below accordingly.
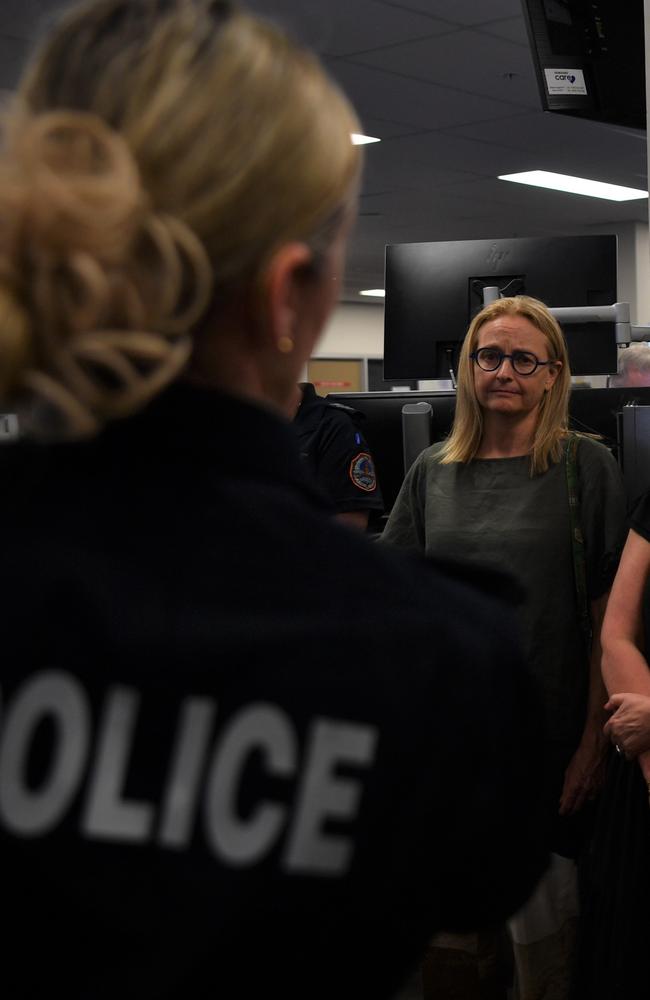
(351, 412)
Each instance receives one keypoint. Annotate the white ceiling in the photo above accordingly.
(450, 88)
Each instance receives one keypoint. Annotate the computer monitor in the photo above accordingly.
(589, 58)
(433, 290)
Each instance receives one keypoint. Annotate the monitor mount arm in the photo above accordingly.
(618, 313)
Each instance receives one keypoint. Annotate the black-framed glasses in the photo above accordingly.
(523, 362)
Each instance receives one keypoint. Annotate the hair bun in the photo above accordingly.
(15, 339)
(81, 179)
(112, 287)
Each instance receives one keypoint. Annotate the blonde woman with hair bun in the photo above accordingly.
(218, 774)
(497, 494)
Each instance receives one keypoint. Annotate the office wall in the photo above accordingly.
(354, 331)
(642, 275)
(633, 266)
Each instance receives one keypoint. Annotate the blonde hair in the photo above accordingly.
(157, 154)
(552, 424)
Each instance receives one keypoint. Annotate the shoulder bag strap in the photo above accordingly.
(577, 540)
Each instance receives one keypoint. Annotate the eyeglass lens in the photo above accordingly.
(490, 359)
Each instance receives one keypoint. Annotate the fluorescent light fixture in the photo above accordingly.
(377, 293)
(361, 140)
(575, 185)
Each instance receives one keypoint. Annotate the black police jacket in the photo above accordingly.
(243, 751)
(334, 449)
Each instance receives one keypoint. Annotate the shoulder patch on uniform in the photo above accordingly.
(362, 472)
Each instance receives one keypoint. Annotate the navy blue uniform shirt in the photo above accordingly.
(243, 752)
(333, 447)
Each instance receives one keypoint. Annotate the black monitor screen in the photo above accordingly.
(589, 57)
(433, 290)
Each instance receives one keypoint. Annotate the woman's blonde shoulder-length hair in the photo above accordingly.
(552, 425)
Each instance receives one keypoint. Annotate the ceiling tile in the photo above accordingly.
(414, 102)
(464, 12)
(12, 58)
(465, 61)
(513, 29)
(568, 145)
(19, 17)
(441, 152)
(341, 26)
(425, 169)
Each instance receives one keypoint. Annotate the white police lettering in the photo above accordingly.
(324, 796)
(90, 772)
(56, 697)
(194, 730)
(107, 814)
(263, 728)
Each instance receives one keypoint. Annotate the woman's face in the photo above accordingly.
(504, 391)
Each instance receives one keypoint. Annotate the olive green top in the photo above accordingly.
(491, 514)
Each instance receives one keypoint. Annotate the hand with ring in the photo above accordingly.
(629, 726)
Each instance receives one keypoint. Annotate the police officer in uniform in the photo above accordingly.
(335, 450)
(243, 752)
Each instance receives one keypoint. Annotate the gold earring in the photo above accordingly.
(285, 344)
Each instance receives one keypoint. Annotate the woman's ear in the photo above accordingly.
(553, 372)
(283, 296)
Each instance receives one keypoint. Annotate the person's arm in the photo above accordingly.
(584, 774)
(345, 470)
(354, 519)
(624, 665)
(602, 513)
(625, 668)
(629, 727)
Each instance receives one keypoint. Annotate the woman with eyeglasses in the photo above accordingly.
(496, 494)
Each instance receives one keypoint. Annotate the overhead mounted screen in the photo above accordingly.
(590, 60)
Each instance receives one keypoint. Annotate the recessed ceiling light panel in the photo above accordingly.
(575, 185)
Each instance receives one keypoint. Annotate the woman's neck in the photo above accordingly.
(505, 437)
